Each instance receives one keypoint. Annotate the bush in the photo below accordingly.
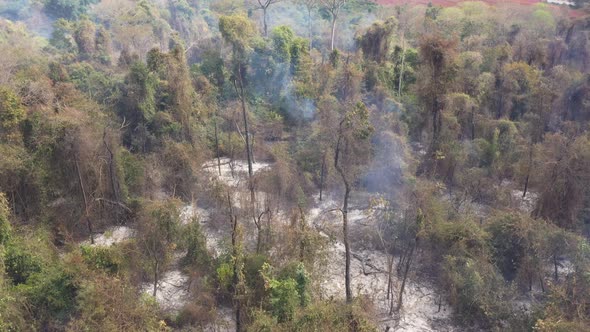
(197, 254)
(476, 290)
(52, 292)
(20, 264)
(105, 258)
(102, 302)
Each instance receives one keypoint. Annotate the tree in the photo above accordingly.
(85, 35)
(353, 129)
(564, 167)
(333, 7)
(158, 232)
(376, 42)
(237, 30)
(310, 5)
(69, 9)
(263, 5)
(12, 113)
(436, 72)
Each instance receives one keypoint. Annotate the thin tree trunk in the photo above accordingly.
(344, 216)
(310, 28)
(401, 74)
(389, 276)
(247, 134)
(264, 21)
(472, 123)
(113, 175)
(555, 274)
(217, 146)
(86, 214)
(528, 173)
(156, 267)
(235, 253)
(302, 230)
(332, 35)
(322, 173)
(405, 278)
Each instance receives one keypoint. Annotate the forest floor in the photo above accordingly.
(422, 310)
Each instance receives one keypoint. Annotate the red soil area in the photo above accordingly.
(450, 3)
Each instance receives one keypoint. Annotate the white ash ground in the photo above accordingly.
(234, 173)
(113, 235)
(422, 308)
(419, 313)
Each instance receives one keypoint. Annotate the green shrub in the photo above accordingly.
(20, 264)
(476, 290)
(5, 227)
(52, 292)
(283, 298)
(105, 258)
(196, 247)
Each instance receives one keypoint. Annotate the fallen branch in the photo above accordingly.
(121, 205)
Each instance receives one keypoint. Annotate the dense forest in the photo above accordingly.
(294, 165)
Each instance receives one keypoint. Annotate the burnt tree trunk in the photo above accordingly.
(156, 267)
(528, 172)
(322, 173)
(235, 252)
(246, 133)
(217, 146)
(113, 176)
(408, 263)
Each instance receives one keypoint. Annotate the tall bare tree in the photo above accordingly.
(310, 6)
(263, 5)
(334, 7)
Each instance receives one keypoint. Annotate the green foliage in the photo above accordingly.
(237, 30)
(287, 292)
(62, 36)
(52, 292)
(106, 258)
(20, 264)
(283, 298)
(5, 226)
(225, 275)
(195, 243)
(132, 171)
(12, 315)
(70, 9)
(282, 38)
(101, 301)
(11, 113)
(476, 290)
(98, 85)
